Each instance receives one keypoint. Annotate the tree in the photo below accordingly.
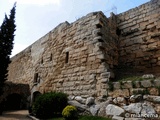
(7, 30)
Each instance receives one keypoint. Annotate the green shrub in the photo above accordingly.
(70, 113)
(49, 104)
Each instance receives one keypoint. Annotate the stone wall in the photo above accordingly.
(72, 58)
(139, 38)
(129, 100)
(80, 58)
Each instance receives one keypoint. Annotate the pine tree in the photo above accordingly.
(7, 30)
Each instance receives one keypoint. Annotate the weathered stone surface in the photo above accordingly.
(69, 58)
(157, 82)
(117, 93)
(126, 84)
(116, 85)
(119, 101)
(133, 108)
(147, 108)
(79, 106)
(155, 99)
(153, 91)
(136, 98)
(90, 101)
(148, 76)
(114, 110)
(79, 59)
(146, 83)
(102, 110)
(94, 109)
(71, 97)
(80, 99)
(157, 108)
(135, 91)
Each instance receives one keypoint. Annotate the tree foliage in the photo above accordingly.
(7, 30)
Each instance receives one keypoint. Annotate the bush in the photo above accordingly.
(49, 104)
(70, 113)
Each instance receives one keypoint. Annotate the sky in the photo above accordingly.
(35, 18)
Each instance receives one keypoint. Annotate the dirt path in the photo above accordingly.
(15, 115)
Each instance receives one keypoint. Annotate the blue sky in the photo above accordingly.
(35, 18)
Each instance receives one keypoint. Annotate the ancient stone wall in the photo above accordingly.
(81, 57)
(72, 58)
(139, 38)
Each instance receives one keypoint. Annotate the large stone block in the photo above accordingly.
(117, 93)
(146, 83)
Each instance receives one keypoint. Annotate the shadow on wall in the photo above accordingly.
(13, 102)
(15, 96)
(35, 95)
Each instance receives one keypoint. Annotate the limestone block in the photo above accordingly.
(114, 110)
(117, 93)
(100, 56)
(105, 75)
(68, 84)
(147, 108)
(104, 80)
(153, 91)
(148, 76)
(119, 101)
(151, 98)
(116, 85)
(157, 82)
(90, 101)
(146, 83)
(94, 109)
(135, 91)
(78, 105)
(91, 58)
(157, 108)
(133, 108)
(137, 84)
(126, 84)
(86, 87)
(102, 110)
(80, 99)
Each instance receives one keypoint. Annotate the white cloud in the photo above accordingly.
(37, 2)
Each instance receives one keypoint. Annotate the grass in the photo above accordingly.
(85, 118)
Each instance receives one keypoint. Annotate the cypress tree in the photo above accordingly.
(7, 30)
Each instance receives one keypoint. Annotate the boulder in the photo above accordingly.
(90, 101)
(80, 107)
(94, 109)
(102, 110)
(152, 98)
(148, 76)
(157, 108)
(119, 101)
(114, 110)
(71, 97)
(133, 108)
(147, 108)
(80, 99)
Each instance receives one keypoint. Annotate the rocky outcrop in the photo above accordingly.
(140, 106)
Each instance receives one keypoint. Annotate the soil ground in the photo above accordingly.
(15, 115)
